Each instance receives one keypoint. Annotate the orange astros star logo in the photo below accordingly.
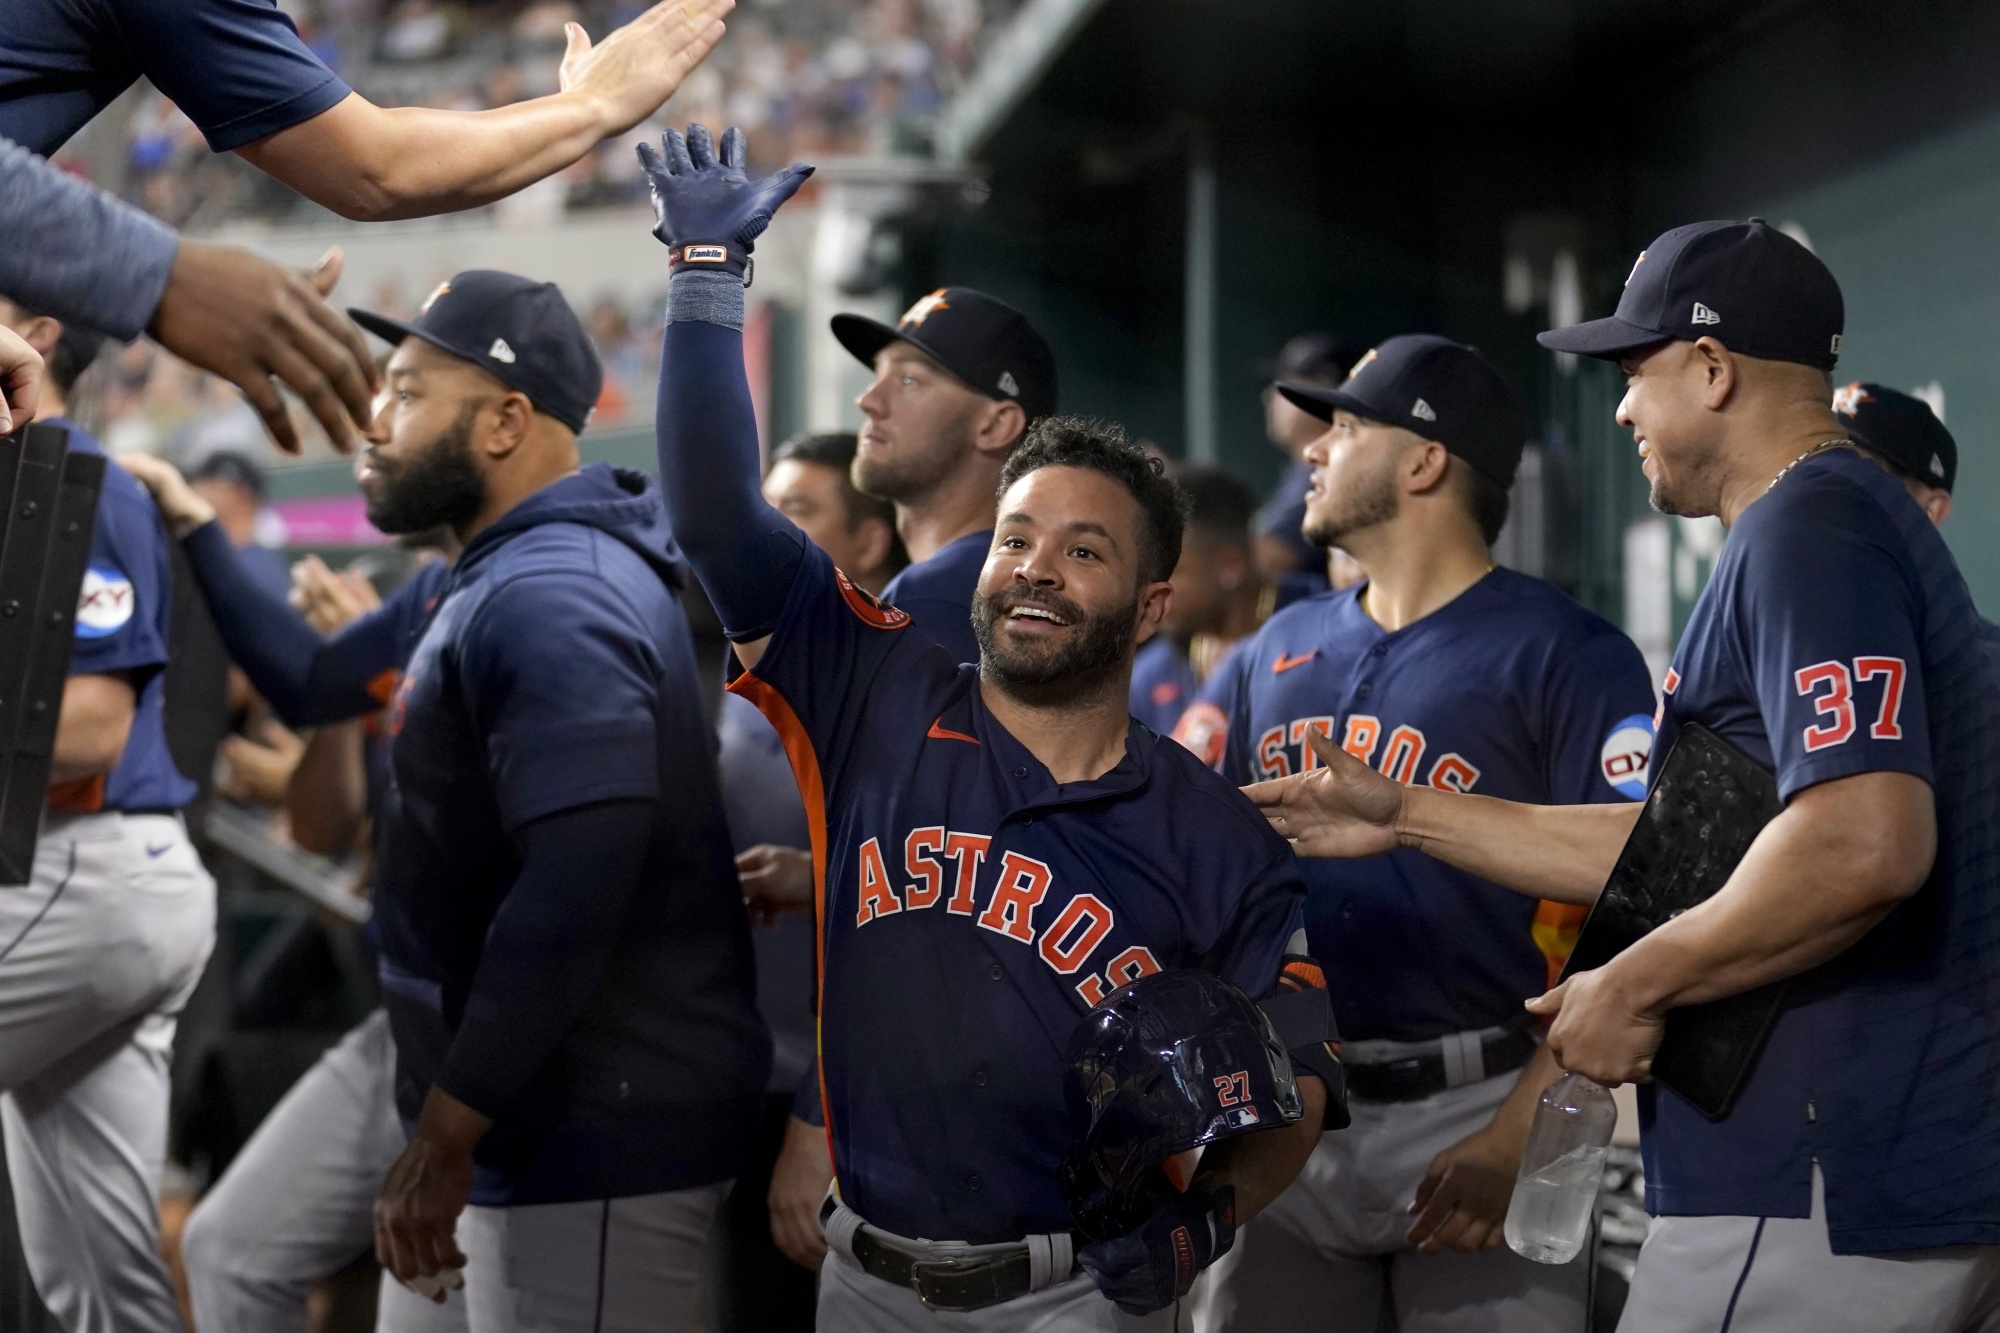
(431, 300)
(925, 308)
(1848, 398)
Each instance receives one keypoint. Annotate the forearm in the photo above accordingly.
(76, 253)
(545, 952)
(308, 679)
(1517, 1113)
(1262, 1165)
(1817, 879)
(746, 553)
(373, 163)
(91, 730)
(1563, 853)
(327, 797)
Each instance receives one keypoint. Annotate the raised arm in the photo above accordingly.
(745, 552)
(309, 680)
(371, 163)
(1346, 810)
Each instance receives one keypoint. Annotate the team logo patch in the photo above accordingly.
(431, 300)
(1358, 366)
(1848, 398)
(1627, 755)
(106, 604)
(870, 609)
(925, 308)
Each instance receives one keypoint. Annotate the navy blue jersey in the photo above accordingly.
(937, 593)
(238, 68)
(1510, 690)
(1203, 726)
(1837, 637)
(122, 621)
(1163, 682)
(557, 673)
(972, 910)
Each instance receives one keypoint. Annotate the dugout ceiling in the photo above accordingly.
(1375, 160)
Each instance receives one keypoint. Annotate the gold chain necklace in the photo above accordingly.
(1838, 442)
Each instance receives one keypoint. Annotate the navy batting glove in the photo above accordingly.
(704, 203)
(1151, 1268)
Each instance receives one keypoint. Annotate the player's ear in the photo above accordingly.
(1425, 467)
(1718, 369)
(1155, 600)
(513, 419)
(1001, 427)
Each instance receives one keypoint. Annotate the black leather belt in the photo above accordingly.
(957, 1285)
(1424, 1075)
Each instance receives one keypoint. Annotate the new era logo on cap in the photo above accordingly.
(1007, 384)
(1703, 315)
(500, 351)
(1423, 411)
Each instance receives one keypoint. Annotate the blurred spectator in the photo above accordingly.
(1310, 358)
(235, 486)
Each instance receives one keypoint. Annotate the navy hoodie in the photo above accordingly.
(556, 673)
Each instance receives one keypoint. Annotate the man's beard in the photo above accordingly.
(1361, 508)
(1095, 653)
(440, 486)
(909, 471)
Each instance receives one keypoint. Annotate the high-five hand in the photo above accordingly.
(639, 66)
(1343, 810)
(699, 196)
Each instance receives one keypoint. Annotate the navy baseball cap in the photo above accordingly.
(1749, 286)
(522, 333)
(1439, 389)
(982, 340)
(1901, 428)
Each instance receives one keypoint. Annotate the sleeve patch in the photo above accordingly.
(869, 609)
(106, 604)
(1626, 756)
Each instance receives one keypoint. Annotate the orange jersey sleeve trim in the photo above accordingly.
(805, 769)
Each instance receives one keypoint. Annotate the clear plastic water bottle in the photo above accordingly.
(1561, 1170)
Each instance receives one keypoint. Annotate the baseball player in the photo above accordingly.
(1856, 1183)
(957, 381)
(565, 955)
(297, 1204)
(995, 850)
(1282, 553)
(1444, 671)
(100, 950)
(1220, 598)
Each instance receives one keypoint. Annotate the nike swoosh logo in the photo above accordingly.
(1284, 663)
(940, 732)
(161, 850)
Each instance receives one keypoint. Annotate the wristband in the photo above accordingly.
(711, 257)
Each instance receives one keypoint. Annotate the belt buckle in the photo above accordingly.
(933, 1281)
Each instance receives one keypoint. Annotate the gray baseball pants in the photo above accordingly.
(850, 1301)
(98, 953)
(1329, 1253)
(1780, 1275)
(298, 1203)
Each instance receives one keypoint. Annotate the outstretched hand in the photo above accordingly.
(639, 66)
(182, 507)
(1344, 810)
(20, 381)
(699, 195)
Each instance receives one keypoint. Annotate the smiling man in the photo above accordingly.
(1856, 1183)
(996, 848)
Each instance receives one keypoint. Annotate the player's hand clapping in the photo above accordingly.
(329, 601)
(1344, 810)
(776, 880)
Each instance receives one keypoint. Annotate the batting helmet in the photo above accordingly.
(1166, 1063)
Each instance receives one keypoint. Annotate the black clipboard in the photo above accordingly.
(48, 510)
(1707, 806)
